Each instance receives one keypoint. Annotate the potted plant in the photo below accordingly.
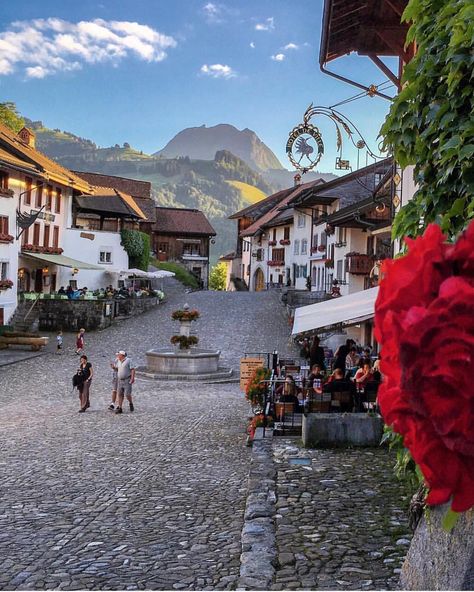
(255, 391)
(322, 248)
(6, 284)
(285, 241)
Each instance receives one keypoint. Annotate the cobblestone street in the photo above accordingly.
(156, 499)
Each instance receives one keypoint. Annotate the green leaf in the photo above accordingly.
(449, 520)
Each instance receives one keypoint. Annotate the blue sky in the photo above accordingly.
(139, 71)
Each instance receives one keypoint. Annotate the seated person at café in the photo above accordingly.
(61, 290)
(363, 375)
(339, 384)
(288, 392)
(315, 374)
(352, 358)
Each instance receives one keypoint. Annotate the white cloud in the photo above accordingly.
(48, 46)
(267, 25)
(291, 46)
(212, 12)
(218, 71)
(279, 57)
(252, 45)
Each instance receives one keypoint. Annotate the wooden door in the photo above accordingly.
(259, 280)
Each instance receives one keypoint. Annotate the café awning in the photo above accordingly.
(63, 261)
(344, 310)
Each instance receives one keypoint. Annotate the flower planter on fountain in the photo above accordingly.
(185, 362)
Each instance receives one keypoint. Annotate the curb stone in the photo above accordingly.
(259, 555)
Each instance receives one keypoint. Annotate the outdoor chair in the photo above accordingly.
(282, 409)
(321, 403)
(370, 395)
(342, 401)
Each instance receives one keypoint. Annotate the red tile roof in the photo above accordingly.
(133, 187)
(182, 221)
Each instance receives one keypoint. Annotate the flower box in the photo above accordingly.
(276, 263)
(6, 284)
(6, 238)
(7, 192)
(37, 249)
(329, 263)
(285, 241)
(272, 243)
(322, 248)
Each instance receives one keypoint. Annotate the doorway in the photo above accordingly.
(39, 280)
(259, 280)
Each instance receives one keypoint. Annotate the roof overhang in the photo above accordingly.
(344, 310)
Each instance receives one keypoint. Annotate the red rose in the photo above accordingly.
(425, 323)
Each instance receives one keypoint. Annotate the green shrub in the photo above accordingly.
(137, 246)
(218, 277)
(181, 273)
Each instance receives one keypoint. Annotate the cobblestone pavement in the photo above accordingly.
(153, 499)
(341, 522)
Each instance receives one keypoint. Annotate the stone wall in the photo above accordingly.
(341, 429)
(71, 315)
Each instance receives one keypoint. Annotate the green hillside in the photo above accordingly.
(249, 193)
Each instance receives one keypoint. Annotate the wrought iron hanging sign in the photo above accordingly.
(305, 145)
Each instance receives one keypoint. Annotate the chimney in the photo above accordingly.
(27, 137)
(297, 179)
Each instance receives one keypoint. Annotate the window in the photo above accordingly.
(163, 247)
(339, 271)
(304, 246)
(4, 270)
(4, 225)
(296, 271)
(36, 234)
(315, 241)
(46, 236)
(278, 255)
(274, 234)
(39, 196)
(105, 257)
(49, 197)
(324, 239)
(57, 205)
(370, 245)
(286, 233)
(4, 179)
(28, 185)
(341, 235)
(303, 271)
(193, 249)
(301, 220)
(259, 254)
(296, 247)
(56, 236)
(25, 236)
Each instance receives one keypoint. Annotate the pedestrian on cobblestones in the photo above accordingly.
(126, 378)
(80, 342)
(85, 369)
(113, 365)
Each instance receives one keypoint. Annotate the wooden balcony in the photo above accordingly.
(359, 264)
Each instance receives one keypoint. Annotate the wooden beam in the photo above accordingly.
(386, 70)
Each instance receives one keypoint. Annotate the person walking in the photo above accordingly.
(86, 372)
(113, 365)
(80, 342)
(126, 378)
(59, 342)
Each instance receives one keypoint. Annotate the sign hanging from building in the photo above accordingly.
(247, 369)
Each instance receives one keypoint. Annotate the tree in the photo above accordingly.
(10, 117)
(218, 277)
(430, 124)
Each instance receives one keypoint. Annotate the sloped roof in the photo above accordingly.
(14, 161)
(182, 221)
(261, 207)
(148, 206)
(133, 187)
(287, 196)
(10, 142)
(109, 197)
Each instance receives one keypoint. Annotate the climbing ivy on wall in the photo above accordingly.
(431, 123)
(137, 246)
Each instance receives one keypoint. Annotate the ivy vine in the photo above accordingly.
(431, 123)
(137, 246)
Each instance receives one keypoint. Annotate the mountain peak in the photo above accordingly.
(202, 143)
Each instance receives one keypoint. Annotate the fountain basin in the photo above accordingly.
(191, 361)
(182, 365)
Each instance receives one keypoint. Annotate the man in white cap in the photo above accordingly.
(126, 377)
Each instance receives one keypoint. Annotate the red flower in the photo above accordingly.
(425, 322)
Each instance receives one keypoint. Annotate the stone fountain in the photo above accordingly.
(185, 362)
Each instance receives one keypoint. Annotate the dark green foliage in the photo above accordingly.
(10, 117)
(181, 273)
(431, 123)
(137, 246)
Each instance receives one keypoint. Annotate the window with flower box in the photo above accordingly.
(56, 236)
(36, 233)
(286, 233)
(46, 236)
(278, 255)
